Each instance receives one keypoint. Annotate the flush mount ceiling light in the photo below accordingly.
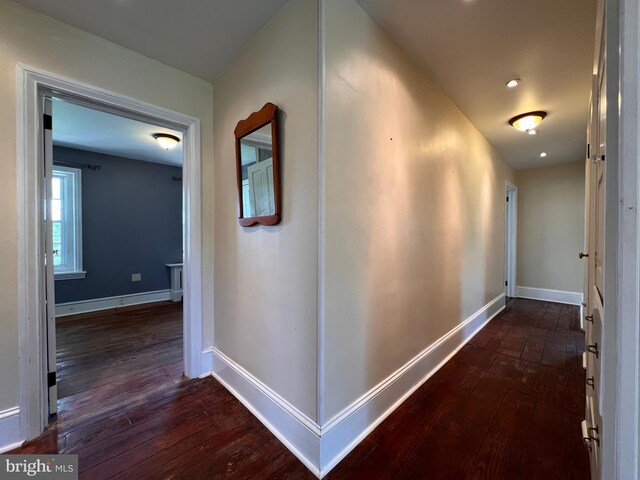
(527, 122)
(543, 154)
(513, 83)
(166, 140)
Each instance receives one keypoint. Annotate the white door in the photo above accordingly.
(50, 303)
(261, 195)
(595, 234)
(510, 224)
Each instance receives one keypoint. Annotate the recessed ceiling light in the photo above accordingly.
(514, 82)
(527, 122)
(533, 131)
(543, 154)
(166, 140)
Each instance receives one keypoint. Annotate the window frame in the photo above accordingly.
(72, 229)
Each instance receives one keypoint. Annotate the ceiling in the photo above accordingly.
(468, 48)
(471, 48)
(200, 37)
(75, 126)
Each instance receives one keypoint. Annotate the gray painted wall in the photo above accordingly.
(131, 223)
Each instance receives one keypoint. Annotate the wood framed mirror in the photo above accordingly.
(258, 168)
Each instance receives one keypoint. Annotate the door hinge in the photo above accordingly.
(506, 283)
(590, 435)
(507, 199)
(47, 121)
(51, 379)
(588, 150)
(593, 349)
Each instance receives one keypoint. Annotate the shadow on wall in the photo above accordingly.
(420, 247)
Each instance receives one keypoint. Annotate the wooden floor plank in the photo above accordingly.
(500, 453)
(507, 406)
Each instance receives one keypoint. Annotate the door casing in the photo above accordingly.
(511, 238)
(32, 84)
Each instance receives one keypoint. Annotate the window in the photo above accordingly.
(66, 222)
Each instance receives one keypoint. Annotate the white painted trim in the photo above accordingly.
(207, 362)
(627, 199)
(511, 238)
(31, 84)
(106, 303)
(192, 244)
(10, 437)
(70, 275)
(299, 433)
(548, 295)
(320, 448)
(347, 429)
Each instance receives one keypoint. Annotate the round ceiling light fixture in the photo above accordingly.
(513, 83)
(527, 122)
(543, 154)
(166, 140)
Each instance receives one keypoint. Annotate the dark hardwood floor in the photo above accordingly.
(110, 359)
(507, 406)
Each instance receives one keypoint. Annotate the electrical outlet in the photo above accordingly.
(136, 277)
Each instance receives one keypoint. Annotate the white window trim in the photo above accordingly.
(70, 275)
(75, 229)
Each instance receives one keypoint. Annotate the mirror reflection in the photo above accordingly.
(256, 153)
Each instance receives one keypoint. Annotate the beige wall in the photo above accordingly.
(414, 210)
(551, 227)
(266, 277)
(41, 42)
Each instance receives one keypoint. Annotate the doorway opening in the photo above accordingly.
(113, 206)
(511, 234)
(36, 278)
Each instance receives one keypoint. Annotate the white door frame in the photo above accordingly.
(511, 238)
(31, 84)
(622, 437)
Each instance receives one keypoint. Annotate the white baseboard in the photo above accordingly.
(299, 433)
(547, 295)
(10, 429)
(97, 304)
(207, 362)
(320, 448)
(345, 431)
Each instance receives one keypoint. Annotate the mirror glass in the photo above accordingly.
(256, 161)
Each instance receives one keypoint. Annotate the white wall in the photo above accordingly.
(414, 210)
(551, 227)
(44, 43)
(266, 277)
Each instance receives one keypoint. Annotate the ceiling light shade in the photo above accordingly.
(543, 154)
(514, 82)
(527, 121)
(166, 140)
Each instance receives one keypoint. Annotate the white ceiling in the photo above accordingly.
(469, 49)
(201, 37)
(75, 126)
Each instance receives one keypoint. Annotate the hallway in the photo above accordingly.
(507, 406)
